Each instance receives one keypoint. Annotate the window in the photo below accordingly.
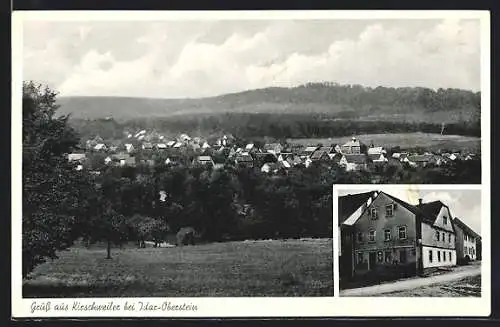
(360, 237)
(371, 236)
(388, 256)
(465, 250)
(439, 256)
(387, 235)
(373, 213)
(389, 210)
(402, 256)
(444, 256)
(443, 238)
(445, 220)
(449, 255)
(402, 232)
(360, 258)
(430, 255)
(380, 256)
(437, 235)
(449, 238)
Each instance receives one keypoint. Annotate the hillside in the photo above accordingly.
(336, 101)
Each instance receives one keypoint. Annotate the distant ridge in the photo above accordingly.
(343, 101)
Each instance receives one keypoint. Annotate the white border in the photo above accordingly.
(254, 307)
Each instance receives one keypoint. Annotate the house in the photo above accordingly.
(100, 147)
(108, 160)
(171, 143)
(77, 157)
(249, 147)
(269, 167)
(354, 162)
(161, 146)
(264, 157)
(337, 148)
(294, 160)
(147, 146)
(129, 147)
(120, 158)
(129, 162)
(204, 160)
(244, 159)
(422, 160)
(273, 148)
(352, 147)
(377, 154)
(377, 158)
(382, 235)
(205, 146)
(470, 156)
(177, 145)
(184, 138)
(147, 162)
(308, 151)
(466, 242)
(376, 150)
(320, 155)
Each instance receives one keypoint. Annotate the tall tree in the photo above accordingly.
(52, 189)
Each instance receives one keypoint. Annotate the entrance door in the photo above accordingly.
(372, 260)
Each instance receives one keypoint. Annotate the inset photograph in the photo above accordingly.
(409, 241)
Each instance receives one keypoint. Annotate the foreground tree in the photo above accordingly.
(52, 189)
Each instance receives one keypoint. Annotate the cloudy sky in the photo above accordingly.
(171, 59)
(464, 204)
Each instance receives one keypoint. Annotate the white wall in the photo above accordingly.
(470, 244)
(435, 262)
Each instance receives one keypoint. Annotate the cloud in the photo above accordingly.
(185, 60)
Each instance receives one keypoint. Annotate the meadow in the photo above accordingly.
(233, 269)
(429, 141)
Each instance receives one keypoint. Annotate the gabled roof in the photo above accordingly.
(375, 150)
(310, 149)
(465, 228)
(356, 158)
(318, 154)
(327, 149)
(348, 204)
(204, 158)
(375, 156)
(244, 157)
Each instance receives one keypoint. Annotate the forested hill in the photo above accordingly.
(411, 104)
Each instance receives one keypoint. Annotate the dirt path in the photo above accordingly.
(412, 283)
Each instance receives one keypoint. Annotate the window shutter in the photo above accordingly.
(394, 206)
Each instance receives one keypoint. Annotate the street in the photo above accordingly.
(415, 283)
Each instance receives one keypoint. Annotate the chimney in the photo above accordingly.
(419, 202)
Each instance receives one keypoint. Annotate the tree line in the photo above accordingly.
(279, 126)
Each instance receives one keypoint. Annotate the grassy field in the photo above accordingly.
(249, 268)
(404, 140)
(467, 287)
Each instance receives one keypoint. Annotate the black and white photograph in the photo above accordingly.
(407, 242)
(194, 155)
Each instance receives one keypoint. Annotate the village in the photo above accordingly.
(384, 238)
(143, 148)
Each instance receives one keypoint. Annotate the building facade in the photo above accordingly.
(466, 242)
(383, 235)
